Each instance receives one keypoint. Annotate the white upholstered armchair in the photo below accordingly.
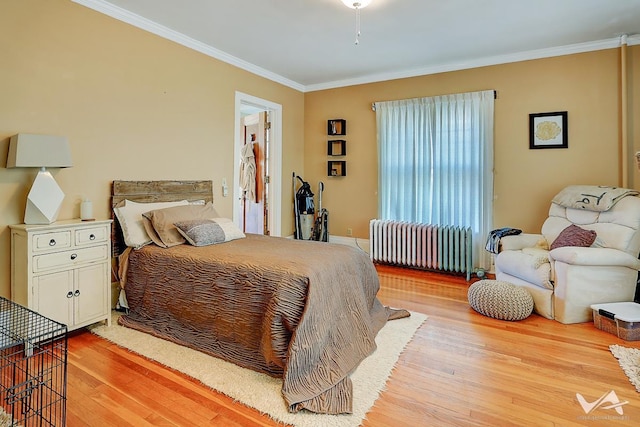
(587, 253)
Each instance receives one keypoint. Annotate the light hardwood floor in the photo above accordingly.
(461, 369)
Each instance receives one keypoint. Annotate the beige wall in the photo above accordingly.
(586, 85)
(133, 105)
(136, 106)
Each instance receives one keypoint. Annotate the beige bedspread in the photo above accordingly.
(301, 310)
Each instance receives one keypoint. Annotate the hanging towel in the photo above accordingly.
(493, 241)
(248, 172)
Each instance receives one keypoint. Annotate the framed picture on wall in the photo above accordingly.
(548, 130)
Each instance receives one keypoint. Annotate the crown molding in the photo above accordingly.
(477, 63)
(633, 40)
(138, 21)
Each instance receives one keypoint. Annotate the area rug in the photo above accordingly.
(261, 391)
(629, 360)
(6, 420)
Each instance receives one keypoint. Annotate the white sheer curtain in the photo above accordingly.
(435, 163)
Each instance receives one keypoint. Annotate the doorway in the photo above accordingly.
(271, 156)
(254, 173)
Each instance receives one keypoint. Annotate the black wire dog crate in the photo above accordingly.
(33, 368)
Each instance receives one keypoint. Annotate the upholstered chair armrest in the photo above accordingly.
(594, 257)
(519, 241)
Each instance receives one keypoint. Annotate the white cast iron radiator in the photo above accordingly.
(425, 246)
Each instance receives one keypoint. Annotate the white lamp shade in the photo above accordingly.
(35, 151)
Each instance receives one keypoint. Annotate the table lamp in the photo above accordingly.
(40, 151)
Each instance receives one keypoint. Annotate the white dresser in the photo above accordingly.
(63, 270)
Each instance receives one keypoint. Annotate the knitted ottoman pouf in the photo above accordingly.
(500, 300)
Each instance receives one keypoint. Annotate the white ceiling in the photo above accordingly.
(309, 44)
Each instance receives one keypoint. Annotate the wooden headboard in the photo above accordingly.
(154, 191)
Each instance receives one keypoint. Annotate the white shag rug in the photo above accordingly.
(629, 360)
(261, 391)
(6, 420)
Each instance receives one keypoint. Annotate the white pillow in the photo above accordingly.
(130, 218)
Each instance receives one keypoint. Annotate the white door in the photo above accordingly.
(54, 293)
(247, 104)
(91, 300)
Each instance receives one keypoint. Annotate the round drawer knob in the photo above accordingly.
(69, 294)
(92, 237)
(76, 293)
(52, 242)
(74, 256)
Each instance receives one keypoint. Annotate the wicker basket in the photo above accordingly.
(605, 319)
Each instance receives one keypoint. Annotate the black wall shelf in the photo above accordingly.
(337, 168)
(337, 127)
(337, 147)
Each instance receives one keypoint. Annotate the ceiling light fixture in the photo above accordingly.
(357, 5)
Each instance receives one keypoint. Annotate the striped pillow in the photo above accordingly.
(203, 232)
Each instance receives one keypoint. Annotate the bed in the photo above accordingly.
(304, 311)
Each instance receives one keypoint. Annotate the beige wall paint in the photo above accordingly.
(133, 105)
(633, 116)
(586, 85)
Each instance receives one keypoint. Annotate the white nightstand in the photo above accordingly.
(63, 270)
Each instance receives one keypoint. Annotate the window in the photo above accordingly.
(435, 163)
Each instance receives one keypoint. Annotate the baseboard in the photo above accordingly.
(362, 244)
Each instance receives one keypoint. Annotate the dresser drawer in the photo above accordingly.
(88, 236)
(51, 241)
(70, 258)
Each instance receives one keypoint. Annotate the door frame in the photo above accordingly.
(274, 201)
